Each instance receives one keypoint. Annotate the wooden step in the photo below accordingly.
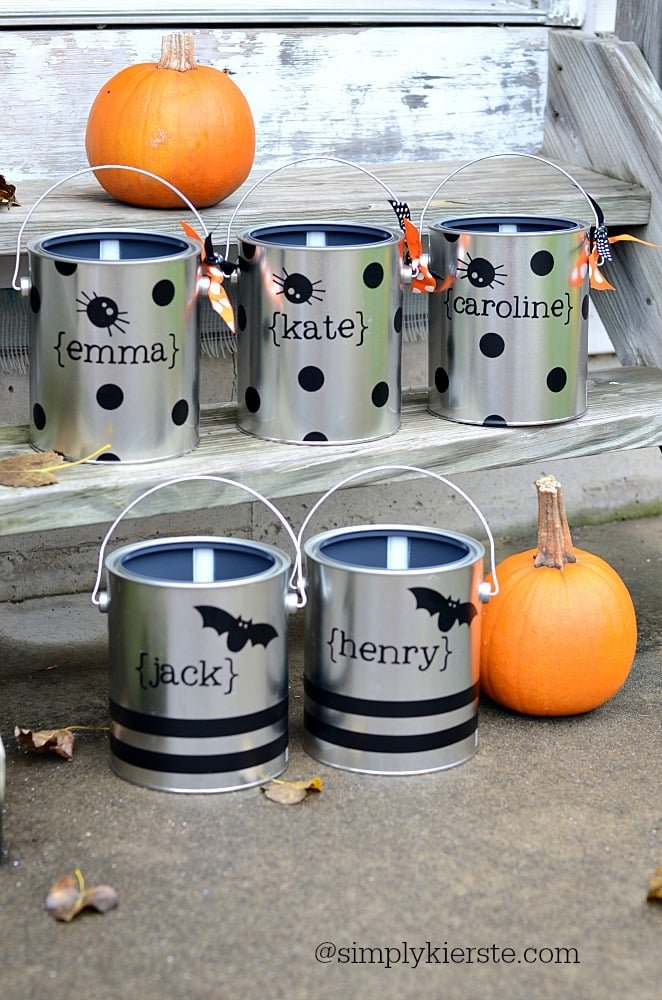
(330, 190)
(624, 411)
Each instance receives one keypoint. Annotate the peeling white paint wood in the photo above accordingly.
(570, 13)
(605, 112)
(623, 412)
(373, 94)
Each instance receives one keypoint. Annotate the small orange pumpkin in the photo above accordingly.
(560, 636)
(187, 123)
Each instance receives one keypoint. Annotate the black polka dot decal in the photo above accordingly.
(163, 292)
(110, 397)
(311, 378)
(397, 321)
(180, 412)
(557, 379)
(241, 318)
(315, 436)
(373, 275)
(542, 262)
(380, 394)
(38, 416)
(441, 382)
(513, 301)
(66, 267)
(492, 345)
(252, 399)
(102, 361)
(248, 251)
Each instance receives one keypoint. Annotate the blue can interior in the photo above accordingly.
(524, 224)
(369, 549)
(173, 562)
(132, 246)
(335, 235)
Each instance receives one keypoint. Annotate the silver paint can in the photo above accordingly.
(392, 647)
(114, 343)
(197, 631)
(508, 325)
(319, 331)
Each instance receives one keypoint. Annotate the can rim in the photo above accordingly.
(546, 225)
(114, 561)
(188, 247)
(250, 235)
(476, 550)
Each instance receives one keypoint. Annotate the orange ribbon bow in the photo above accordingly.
(217, 295)
(590, 258)
(422, 279)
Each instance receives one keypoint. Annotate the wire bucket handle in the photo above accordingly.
(599, 234)
(485, 591)
(23, 285)
(398, 206)
(101, 600)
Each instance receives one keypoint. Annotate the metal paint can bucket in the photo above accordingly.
(197, 632)
(319, 331)
(392, 645)
(114, 343)
(508, 327)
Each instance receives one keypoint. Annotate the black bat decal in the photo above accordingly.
(239, 630)
(448, 610)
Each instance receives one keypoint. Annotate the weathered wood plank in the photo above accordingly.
(640, 21)
(329, 190)
(624, 412)
(104, 12)
(375, 93)
(605, 112)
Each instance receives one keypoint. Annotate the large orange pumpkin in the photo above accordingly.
(187, 123)
(559, 638)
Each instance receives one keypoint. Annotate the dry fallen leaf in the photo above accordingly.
(36, 468)
(29, 470)
(7, 193)
(59, 741)
(68, 896)
(655, 885)
(288, 793)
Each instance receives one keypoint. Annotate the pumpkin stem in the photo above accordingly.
(178, 52)
(554, 540)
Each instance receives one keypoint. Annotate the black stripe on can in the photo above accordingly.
(160, 725)
(177, 763)
(376, 743)
(390, 709)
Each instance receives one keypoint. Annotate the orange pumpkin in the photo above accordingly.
(187, 123)
(560, 636)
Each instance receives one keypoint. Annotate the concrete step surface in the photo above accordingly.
(545, 840)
